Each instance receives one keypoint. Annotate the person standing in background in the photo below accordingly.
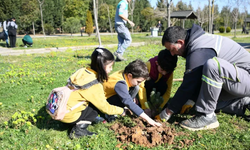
(159, 25)
(12, 26)
(5, 30)
(124, 37)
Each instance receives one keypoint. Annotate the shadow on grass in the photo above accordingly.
(81, 56)
(44, 121)
(2, 44)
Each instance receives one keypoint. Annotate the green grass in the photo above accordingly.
(27, 80)
(68, 41)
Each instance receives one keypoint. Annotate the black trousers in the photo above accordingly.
(115, 100)
(25, 42)
(89, 114)
(12, 40)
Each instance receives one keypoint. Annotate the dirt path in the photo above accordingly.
(9, 51)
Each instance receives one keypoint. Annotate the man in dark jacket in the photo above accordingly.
(159, 26)
(217, 76)
(12, 27)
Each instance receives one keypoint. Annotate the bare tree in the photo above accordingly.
(209, 17)
(212, 17)
(235, 14)
(34, 31)
(110, 24)
(201, 15)
(168, 7)
(96, 24)
(41, 11)
(225, 13)
(132, 7)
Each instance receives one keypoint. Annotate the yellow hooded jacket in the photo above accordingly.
(93, 93)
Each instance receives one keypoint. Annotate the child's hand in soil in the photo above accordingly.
(148, 112)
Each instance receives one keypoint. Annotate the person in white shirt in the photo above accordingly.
(6, 32)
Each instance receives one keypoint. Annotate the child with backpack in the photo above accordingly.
(87, 83)
(122, 87)
(160, 69)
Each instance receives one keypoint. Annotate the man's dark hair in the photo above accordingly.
(172, 34)
(99, 59)
(166, 61)
(137, 68)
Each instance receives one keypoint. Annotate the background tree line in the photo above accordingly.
(68, 16)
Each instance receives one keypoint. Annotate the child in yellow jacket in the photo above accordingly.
(160, 70)
(122, 87)
(89, 81)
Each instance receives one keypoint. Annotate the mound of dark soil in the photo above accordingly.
(147, 136)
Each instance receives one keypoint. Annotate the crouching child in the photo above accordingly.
(123, 86)
(156, 91)
(88, 82)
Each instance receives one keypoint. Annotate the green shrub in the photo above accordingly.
(228, 29)
(72, 25)
(89, 23)
(21, 120)
(48, 29)
(222, 29)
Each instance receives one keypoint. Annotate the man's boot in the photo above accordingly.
(80, 130)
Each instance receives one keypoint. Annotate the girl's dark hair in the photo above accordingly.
(166, 61)
(138, 69)
(99, 59)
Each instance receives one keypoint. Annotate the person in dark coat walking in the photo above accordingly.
(12, 26)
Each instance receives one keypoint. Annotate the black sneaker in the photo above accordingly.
(119, 57)
(80, 130)
(246, 107)
(200, 122)
(110, 118)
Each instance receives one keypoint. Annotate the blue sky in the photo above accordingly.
(201, 3)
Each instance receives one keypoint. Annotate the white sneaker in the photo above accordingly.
(25, 46)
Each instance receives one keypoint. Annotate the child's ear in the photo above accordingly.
(156, 62)
(130, 75)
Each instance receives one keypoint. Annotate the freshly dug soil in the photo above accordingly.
(146, 135)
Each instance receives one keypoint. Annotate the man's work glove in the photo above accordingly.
(163, 116)
(187, 106)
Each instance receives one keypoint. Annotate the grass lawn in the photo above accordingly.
(27, 80)
(68, 41)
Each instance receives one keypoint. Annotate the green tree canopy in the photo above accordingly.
(72, 25)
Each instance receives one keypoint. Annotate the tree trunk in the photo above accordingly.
(212, 16)
(41, 11)
(209, 17)
(34, 31)
(168, 7)
(132, 13)
(96, 24)
(110, 25)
